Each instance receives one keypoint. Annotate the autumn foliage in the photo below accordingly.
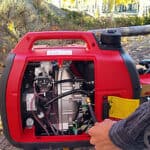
(21, 16)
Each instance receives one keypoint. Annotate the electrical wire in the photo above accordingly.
(40, 123)
(51, 126)
(34, 115)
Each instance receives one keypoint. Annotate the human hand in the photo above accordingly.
(100, 135)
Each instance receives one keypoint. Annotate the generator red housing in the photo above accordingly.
(114, 74)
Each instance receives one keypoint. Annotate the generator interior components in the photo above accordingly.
(53, 98)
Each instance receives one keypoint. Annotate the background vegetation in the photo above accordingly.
(21, 16)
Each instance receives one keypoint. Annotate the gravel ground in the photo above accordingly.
(138, 47)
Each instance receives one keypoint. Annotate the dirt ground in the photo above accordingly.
(138, 47)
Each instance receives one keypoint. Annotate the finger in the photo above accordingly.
(92, 141)
(109, 121)
(102, 147)
(99, 147)
(96, 123)
(91, 131)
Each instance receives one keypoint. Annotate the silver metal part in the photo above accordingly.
(45, 68)
(29, 122)
(67, 106)
(41, 115)
(30, 102)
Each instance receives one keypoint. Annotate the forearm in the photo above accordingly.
(128, 134)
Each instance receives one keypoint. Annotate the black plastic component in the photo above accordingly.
(3, 86)
(92, 113)
(134, 75)
(145, 62)
(110, 39)
(106, 108)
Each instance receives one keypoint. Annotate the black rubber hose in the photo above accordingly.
(92, 113)
(69, 80)
(91, 109)
(66, 94)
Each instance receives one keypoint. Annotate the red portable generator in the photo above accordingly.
(50, 95)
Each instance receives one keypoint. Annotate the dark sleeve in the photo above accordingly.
(128, 134)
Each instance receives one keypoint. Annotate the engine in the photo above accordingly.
(54, 97)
